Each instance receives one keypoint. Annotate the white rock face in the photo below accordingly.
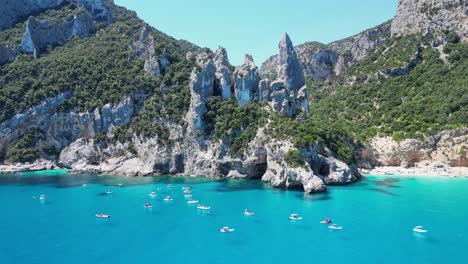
(289, 68)
(223, 73)
(246, 80)
(428, 16)
(145, 47)
(280, 175)
(289, 93)
(202, 83)
(448, 148)
(39, 35)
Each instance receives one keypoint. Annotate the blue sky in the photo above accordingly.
(256, 26)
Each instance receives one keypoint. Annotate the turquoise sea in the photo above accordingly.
(377, 216)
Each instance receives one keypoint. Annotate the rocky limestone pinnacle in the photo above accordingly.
(223, 73)
(289, 68)
(246, 81)
(202, 83)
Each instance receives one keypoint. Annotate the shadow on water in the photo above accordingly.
(63, 180)
(314, 197)
(239, 185)
(382, 191)
(388, 183)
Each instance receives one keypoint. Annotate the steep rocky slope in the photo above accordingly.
(89, 86)
(101, 91)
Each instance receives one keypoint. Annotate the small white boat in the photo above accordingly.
(420, 229)
(103, 216)
(295, 217)
(192, 201)
(248, 213)
(326, 221)
(109, 192)
(168, 199)
(185, 188)
(84, 185)
(153, 194)
(170, 186)
(148, 205)
(334, 227)
(226, 229)
(120, 184)
(203, 207)
(42, 197)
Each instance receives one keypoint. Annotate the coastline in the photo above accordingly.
(427, 171)
(449, 172)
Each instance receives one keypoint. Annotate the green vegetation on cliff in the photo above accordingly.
(432, 96)
(97, 70)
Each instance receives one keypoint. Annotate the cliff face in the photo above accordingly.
(15, 10)
(429, 16)
(63, 128)
(39, 35)
(323, 62)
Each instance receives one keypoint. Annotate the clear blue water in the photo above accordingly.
(377, 216)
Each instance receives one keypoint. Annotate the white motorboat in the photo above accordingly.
(153, 194)
(334, 227)
(170, 186)
(295, 217)
(192, 201)
(42, 197)
(203, 207)
(248, 213)
(226, 229)
(185, 188)
(420, 229)
(148, 205)
(108, 192)
(168, 199)
(326, 221)
(103, 216)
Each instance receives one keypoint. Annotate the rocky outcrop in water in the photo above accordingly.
(429, 16)
(40, 35)
(13, 11)
(246, 80)
(6, 55)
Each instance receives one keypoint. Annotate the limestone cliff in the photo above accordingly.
(323, 62)
(430, 16)
(246, 80)
(40, 35)
(13, 11)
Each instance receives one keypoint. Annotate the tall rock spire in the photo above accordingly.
(289, 68)
(288, 92)
(223, 73)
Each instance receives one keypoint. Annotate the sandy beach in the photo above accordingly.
(455, 172)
